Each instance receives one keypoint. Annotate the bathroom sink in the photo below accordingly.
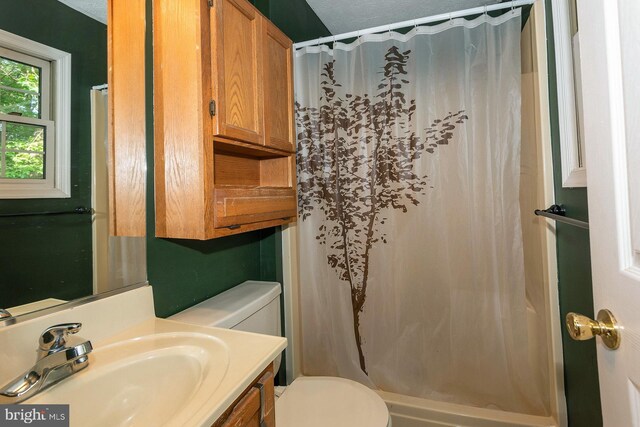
(159, 379)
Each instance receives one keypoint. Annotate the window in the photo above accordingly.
(25, 144)
(34, 119)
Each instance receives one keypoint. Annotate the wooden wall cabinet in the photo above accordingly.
(251, 409)
(278, 89)
(224, 126)
(237, 70)
(126, 112)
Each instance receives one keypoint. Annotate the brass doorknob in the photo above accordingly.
(583, 328)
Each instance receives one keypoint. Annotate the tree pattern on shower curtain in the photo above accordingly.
(356, 161)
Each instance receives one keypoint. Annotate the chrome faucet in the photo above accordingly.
(60, 355)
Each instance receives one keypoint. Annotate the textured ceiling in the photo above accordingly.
(342, 16)
(339, 16)
(96, 9)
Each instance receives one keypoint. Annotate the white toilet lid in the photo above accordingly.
(330, 401)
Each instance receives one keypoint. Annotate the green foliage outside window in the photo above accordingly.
(23, 150)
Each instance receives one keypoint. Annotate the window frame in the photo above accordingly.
(573, 160)
(56, 119)
(45, 76)
(49, 147)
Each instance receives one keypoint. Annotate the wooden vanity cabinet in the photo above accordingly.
(255, 405)
(223, 120)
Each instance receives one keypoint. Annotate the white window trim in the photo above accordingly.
(573, 175)
(61, 115)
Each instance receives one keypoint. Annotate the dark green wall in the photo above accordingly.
(295, 18)
(43, 257)
(184, 273)
(574, 276)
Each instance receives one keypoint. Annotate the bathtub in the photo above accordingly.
(409, 411)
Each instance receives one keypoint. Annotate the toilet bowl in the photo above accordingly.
(307, 401)
(330, 401)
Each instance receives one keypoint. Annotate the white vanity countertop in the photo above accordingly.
(249, 355)
(132, 349)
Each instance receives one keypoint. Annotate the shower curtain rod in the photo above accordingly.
(558, 213)
(416, 22)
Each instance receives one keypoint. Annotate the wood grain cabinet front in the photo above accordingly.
(223, 120)
(278, 89)
(237, 71)
(255, 407)
(127, 134)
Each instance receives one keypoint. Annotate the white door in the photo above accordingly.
(610, 62)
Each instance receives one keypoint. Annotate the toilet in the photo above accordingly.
(308, 401)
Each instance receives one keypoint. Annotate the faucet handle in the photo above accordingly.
(54, 338)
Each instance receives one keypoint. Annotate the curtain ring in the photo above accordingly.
(318, 42)
(486, 12)
(451, 19)
(389, 28)
(334, 42)
(415, 24)
(358, 35)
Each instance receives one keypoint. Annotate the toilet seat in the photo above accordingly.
(330, 401)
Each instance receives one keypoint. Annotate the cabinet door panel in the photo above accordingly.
(250, 407)
(278, 50)
(182, 91)
(237, 71)
(247, 412)
(127, 133)
(268, 411)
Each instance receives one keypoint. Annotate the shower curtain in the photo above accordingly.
(411, 268)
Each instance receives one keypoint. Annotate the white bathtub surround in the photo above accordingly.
(127, 341)
(415, 412)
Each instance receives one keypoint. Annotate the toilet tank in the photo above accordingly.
(250, 306)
